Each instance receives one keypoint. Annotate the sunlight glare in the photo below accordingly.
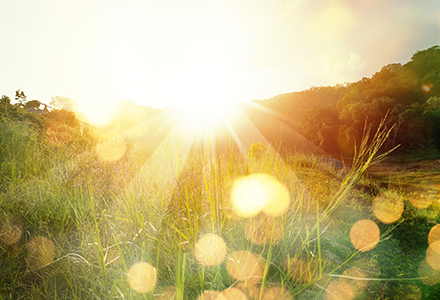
(433, 255)
(248, 196)
(243, 265)
(111, 148)
(259, 192)
(421, 199)
(98, 113)
(434, 234)
(210, 250)
(426, 87)
(142, 277)
(388, 207)
(364, 235)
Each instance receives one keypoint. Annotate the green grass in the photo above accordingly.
(104, 217)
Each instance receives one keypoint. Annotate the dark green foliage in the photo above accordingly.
(334, 118)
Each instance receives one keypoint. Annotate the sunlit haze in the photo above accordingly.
(179, 53)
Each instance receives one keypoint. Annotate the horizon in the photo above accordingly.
(180, 55)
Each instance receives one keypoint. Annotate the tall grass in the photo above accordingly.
(104, 217)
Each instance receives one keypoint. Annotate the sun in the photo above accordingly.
(202, 116)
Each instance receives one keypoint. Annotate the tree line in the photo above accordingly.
(334, 118)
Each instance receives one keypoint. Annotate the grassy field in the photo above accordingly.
(119, 220)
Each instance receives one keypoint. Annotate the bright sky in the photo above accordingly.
(173, 52)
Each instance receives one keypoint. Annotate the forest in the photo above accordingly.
(333, 118)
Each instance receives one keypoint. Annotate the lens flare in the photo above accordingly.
(428, 275)
(251, 288)
(248, 196)
(338, 289)
(210, 250)
(421, 200)
(40, 252)
(244, 265)
(297, 270)
(264, 229)
(433, 255)
(111, 149)
(208, 295)
(10, 230)
(434, 234)
(388, 207)
(364, 235)
(259, 192)
(426, 87)
(142, 277)
(232, 294)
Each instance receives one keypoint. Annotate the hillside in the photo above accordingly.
(334, 118)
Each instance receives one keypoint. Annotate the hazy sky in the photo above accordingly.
(168, 52)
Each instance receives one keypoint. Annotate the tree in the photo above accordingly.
(63, 102)
(20, 97)
(5, 100)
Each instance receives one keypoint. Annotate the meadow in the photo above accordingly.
(113, 219)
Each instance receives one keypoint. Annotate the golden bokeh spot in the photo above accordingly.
(259, 192)
(232, 294)
(338, 290)
(428, 275)
(244, 265)
(10, 230)
(434, 234)
(111, 149)
(421, 199)
(40, 252)
(277, 293)
(264, 229)
(208, 295)
(298, 270)
(388, 207)
(364, 235)
(251, 287)
(278, 201)
(142, 277)
(433, 255)
(248, 196)
(357, 283)
(210, 250)
(167, 293)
